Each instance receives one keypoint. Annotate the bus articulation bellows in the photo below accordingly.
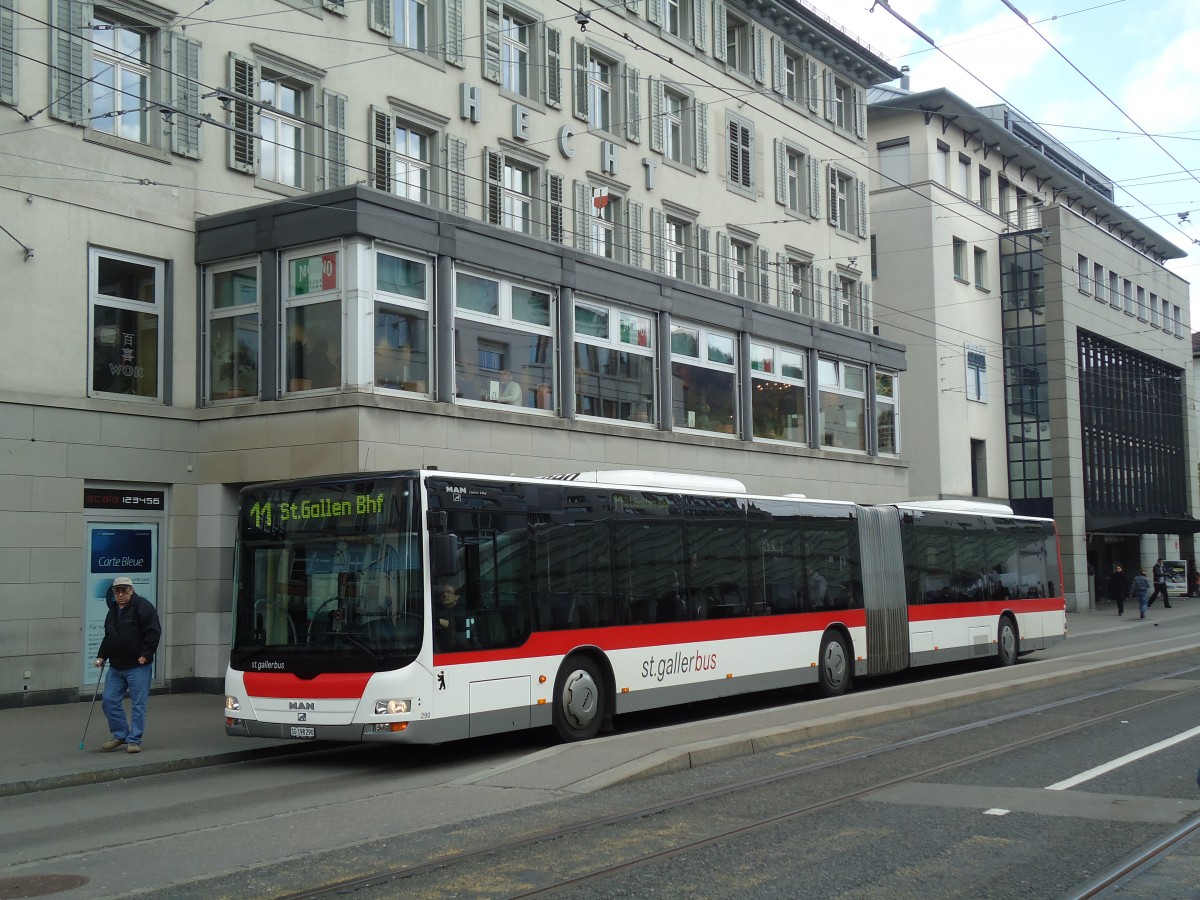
(428, 606)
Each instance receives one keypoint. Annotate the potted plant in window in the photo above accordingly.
(237, 374)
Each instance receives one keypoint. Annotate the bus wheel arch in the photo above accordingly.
(835, 662)
(582, 696)
(1008, 641)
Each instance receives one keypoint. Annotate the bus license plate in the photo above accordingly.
(302, 731)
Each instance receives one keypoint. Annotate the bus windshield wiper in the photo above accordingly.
(364, 647)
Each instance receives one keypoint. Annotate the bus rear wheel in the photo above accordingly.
(578, 699)
(1007, 643)
(833, 665)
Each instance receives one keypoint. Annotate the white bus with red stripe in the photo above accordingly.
(427, 606)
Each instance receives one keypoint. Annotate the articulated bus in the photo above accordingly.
(427, 606)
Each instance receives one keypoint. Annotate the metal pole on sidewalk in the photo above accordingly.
(92, 705)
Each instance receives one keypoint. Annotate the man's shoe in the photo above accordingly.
(1167, 605)
(112, 745)
(133, 748)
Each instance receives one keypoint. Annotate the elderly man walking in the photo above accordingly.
(131, 634)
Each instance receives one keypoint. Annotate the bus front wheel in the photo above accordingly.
(1007, 643)
(578, 700)
(834, 666)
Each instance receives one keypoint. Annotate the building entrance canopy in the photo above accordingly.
(1117, 524)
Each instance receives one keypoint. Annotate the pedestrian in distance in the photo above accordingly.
(131, 635)
(1140, 589)
(1118, 588)
(1160, 585)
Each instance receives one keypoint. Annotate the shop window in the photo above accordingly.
(127, 340)
(614, 363)
(704, 379)
(779, 393)
(232, 302)
(887, 438)
(313, 320)
(402, 326)
(842, 404)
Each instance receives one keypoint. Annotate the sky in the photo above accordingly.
(1138, 74)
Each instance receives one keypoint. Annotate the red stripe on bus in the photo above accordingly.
(330, 686)
(930, 612)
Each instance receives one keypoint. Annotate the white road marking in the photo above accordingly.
(1121, 761)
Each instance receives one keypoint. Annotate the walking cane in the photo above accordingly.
(92, 705)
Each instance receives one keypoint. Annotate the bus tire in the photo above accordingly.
(834, 665)
(1008, 643)
(579, 701)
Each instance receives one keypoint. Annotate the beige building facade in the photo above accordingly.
(327, 238)
(1048, 345)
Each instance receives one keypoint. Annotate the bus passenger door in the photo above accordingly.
(883, 589)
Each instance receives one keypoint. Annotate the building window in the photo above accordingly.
(778, 393)
(503, 342)
(1098, 281)
(232, 302)
(886, 425)
(282, 135)
(704, 379)
(127, 302)
(793, 76)
(411, 163)
(941, 164)
(120, 78)
(1082, 274)
(792, 178)
(842, 104)
(1141, 304)
(677, 128)
(845, 306)
(404, 144)
(614, 363)
(677, 17)
(985, 188)
(963, 185)
(800, 286)
(1154, 318)
(600, 75)
(517, 35)
(976, 373)
(1127, 285)
(1006, 201)
(673, 106)
(675, 244)
(1114, 290)
(403, 289)
(739, 268)
(981, 272)
(313, 320)
(736, 42)
(411, 24)
(741, 155)
(895, 163)
(842, 404)
(979, 482)
(960, 259)
(847, 202)
(603, 224)
(511, 192)
(606, 92)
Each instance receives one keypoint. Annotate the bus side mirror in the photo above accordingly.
(443, 553)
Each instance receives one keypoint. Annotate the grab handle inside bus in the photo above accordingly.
(443, 553)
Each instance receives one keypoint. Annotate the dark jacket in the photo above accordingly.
(1118, 586)
(130, 632)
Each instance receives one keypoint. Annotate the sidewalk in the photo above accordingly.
(186, 731)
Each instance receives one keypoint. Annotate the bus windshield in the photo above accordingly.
(329, 577)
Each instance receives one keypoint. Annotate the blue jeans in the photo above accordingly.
(135, 680)
(1142, 598)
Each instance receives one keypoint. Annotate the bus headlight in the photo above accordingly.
(392, 707)
(232, 702)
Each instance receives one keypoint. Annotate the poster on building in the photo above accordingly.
(114, 549)
(1175, 571)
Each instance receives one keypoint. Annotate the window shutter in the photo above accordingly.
(814, 188)
(184, 93)
(454, 34)
(456, 165)
(860, 112)
(720, 23)
(633, 226)
(739, 154)
(812, 74)
(379, 16)
(633, 105)
(335, 139)
(554, 207)
(656, 112)
(579, 55)
(704, 255)
(654, 12)
(723, 250)
(658, 243)
(699, 26)
(864, 303)
(783, 287)
(781, 195)
(243, 116)
(861, 211)
(382, 137)
(491, 40)
(69, 54)
(8, 47)
(759, 38)
(777, 79)
(818, 298)
(702, 137)
(553, 68)
(830, 96)
(764, 276)
(493, 187)
(835, 298)
(583, 212)
(833, 206)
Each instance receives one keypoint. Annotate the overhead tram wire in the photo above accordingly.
(921, 34)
